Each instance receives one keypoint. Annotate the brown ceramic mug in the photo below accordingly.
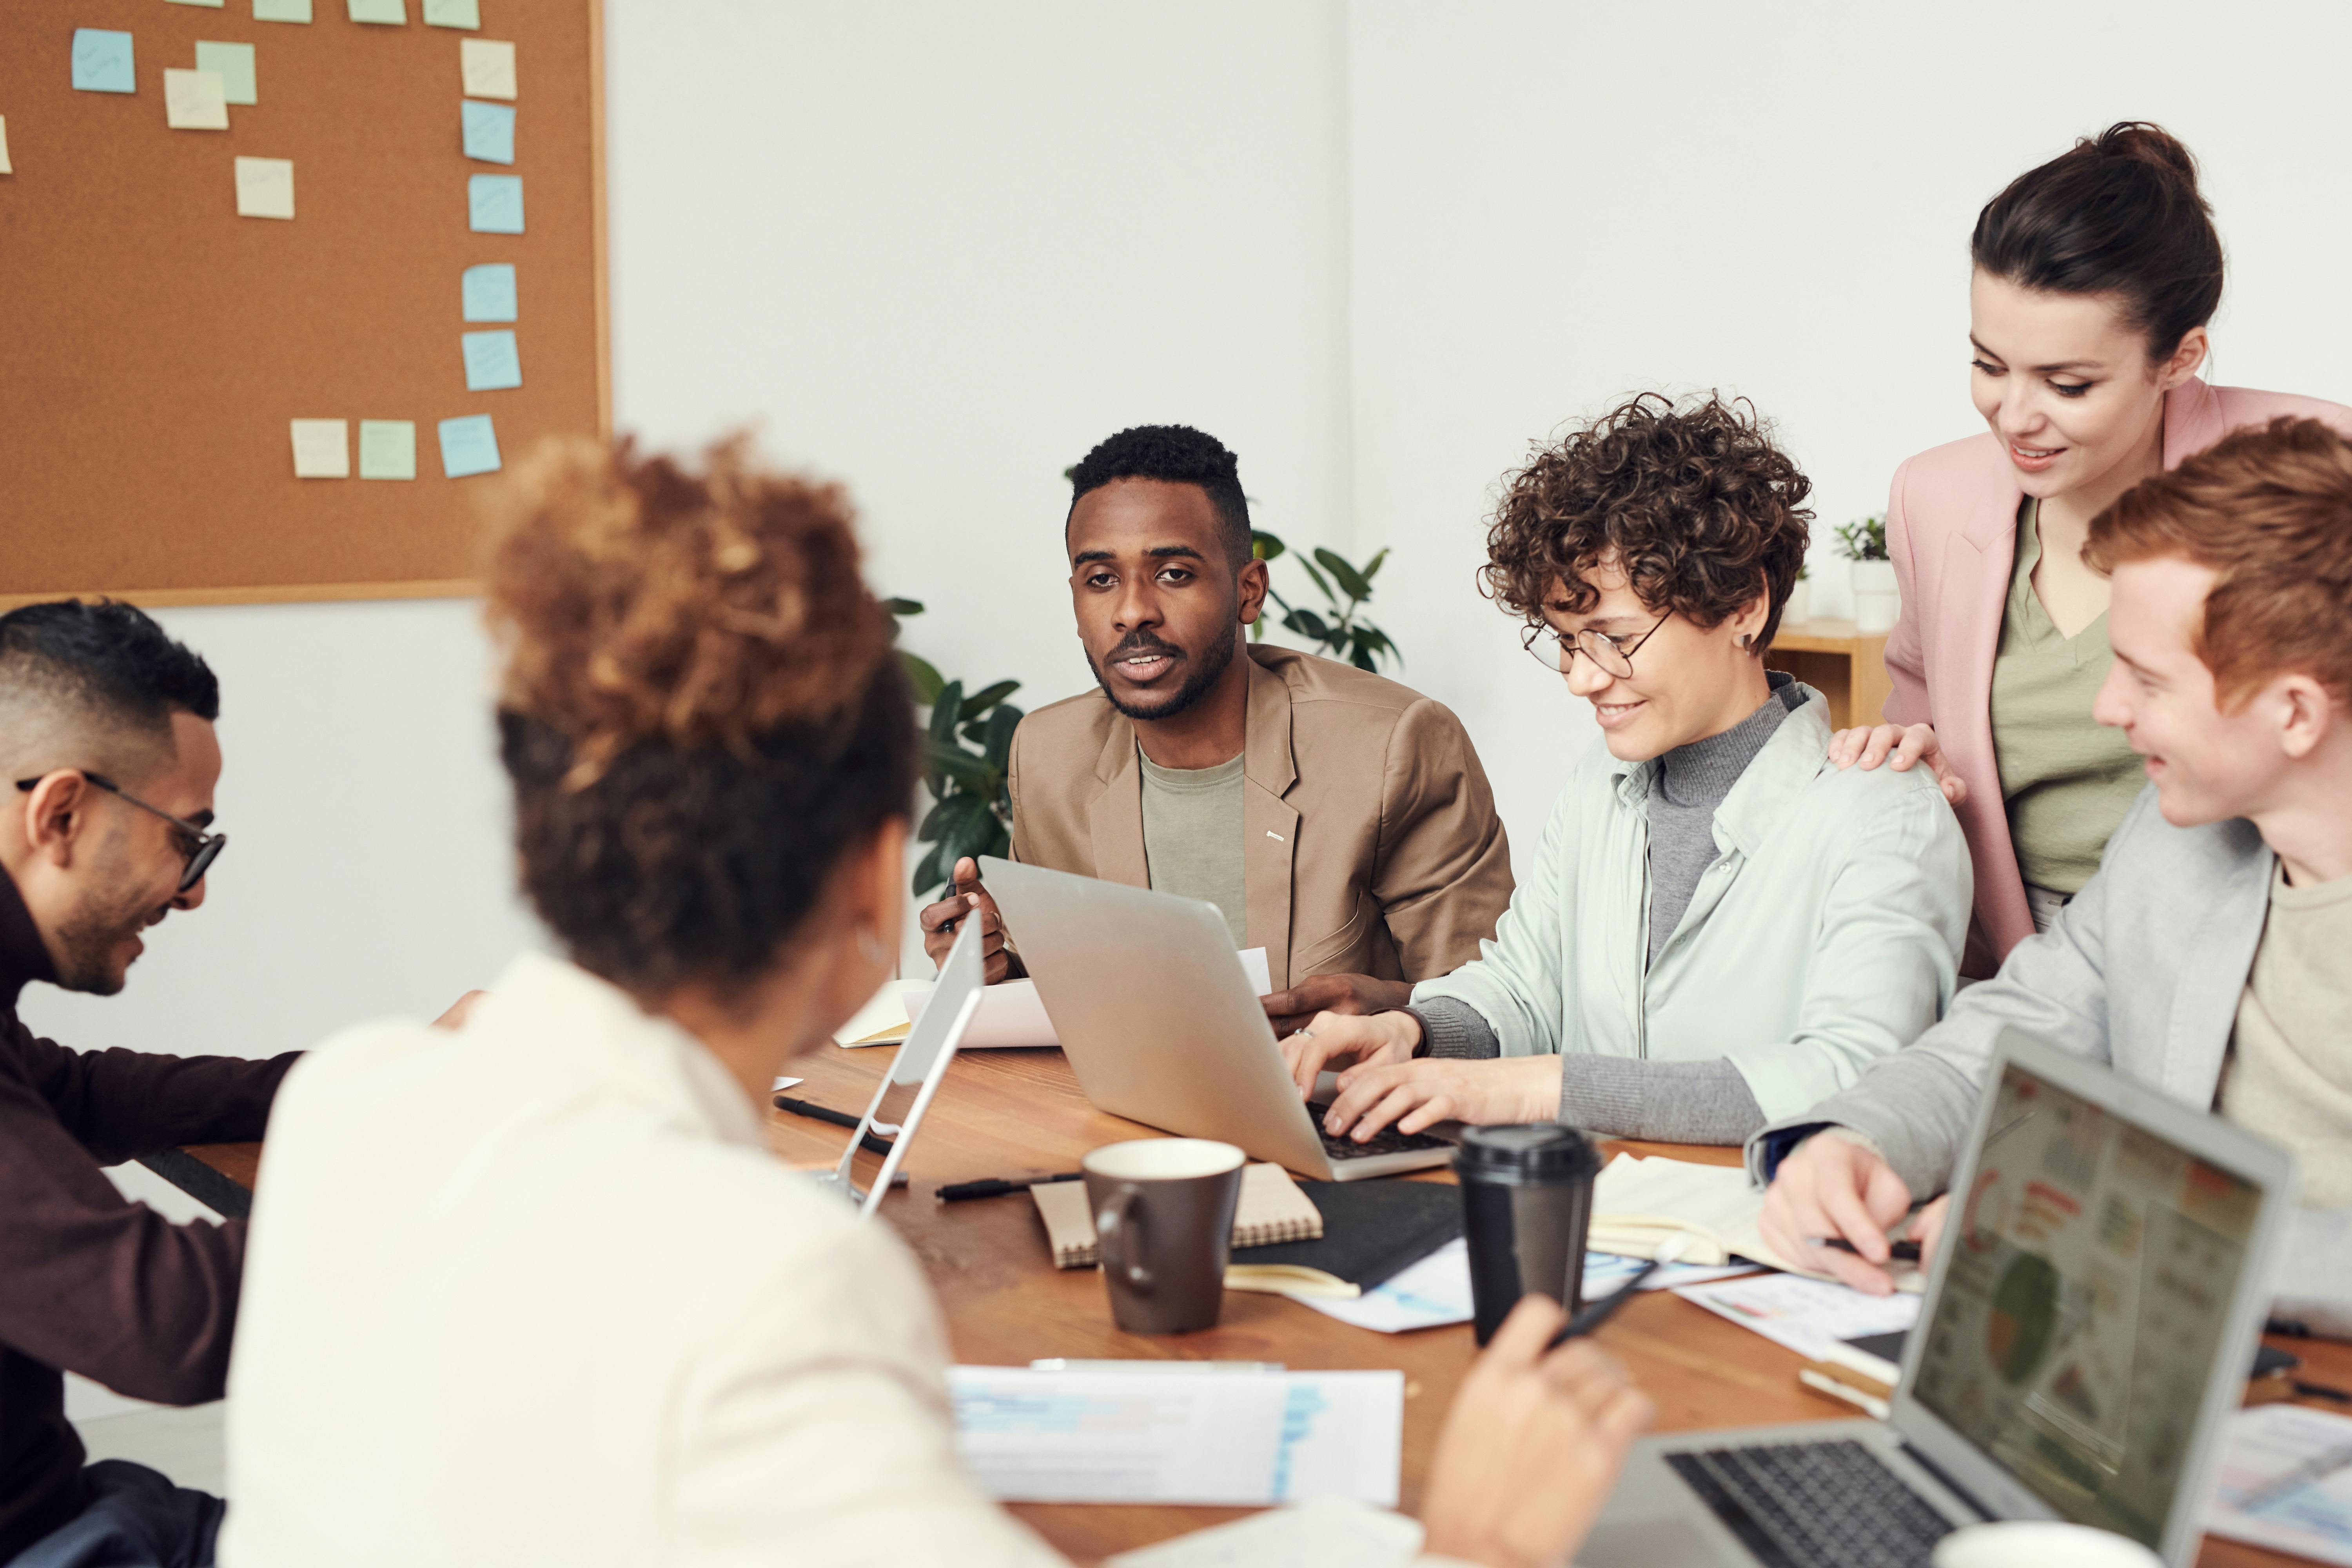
(1163, 1211)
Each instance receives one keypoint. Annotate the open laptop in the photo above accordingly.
(1162, 1024)
(2084, 1333)
(916, 1071)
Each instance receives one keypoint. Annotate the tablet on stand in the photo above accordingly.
(921, 1062)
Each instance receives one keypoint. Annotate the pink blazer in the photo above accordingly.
(1951, 528)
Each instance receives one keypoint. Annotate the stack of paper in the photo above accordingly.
(1638, 1204)
(1812, 1317)
(2287, 1483)
(1225, 1437)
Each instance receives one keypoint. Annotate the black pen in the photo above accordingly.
(1000, 1186)
(816, 1112)
(1595, 1313)
(1897, 1251)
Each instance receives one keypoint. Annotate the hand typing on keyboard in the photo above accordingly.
(1416, 1096)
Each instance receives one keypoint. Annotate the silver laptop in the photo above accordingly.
(916, 1072)
(2086, 1328)
(1161, 1025)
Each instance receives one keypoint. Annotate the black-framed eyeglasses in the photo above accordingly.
(201, 847)
(1553, 649)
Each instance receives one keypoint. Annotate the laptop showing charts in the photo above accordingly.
(1161, 1025)
(2084, 1334)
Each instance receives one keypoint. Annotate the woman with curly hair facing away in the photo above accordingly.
(1719, 923)
(538, 1292)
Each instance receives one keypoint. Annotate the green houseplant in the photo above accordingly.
(1339, 630)
(967, 747)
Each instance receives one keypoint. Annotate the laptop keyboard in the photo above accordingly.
(1814, 1505)
(1387, 1141)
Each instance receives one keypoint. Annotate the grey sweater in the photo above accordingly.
(1630, 1097)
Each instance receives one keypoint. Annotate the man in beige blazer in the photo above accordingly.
(1337, 819)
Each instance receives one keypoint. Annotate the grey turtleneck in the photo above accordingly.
(1685, 789)
(1633, 1097)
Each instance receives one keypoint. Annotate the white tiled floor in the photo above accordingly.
(186, 1445)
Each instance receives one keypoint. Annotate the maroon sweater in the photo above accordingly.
(89, 1281)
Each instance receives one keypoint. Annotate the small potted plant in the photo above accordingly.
(1875, 601)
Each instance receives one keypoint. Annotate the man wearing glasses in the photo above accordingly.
(106, 734)
(1718, 924)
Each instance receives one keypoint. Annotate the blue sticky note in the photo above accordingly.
(101, 61)
(489, 291)
(468, 446)
(494, 203)
(489, 131)
(491, 362)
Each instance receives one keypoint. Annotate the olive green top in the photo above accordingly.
(2066, 779)
(1192, 837)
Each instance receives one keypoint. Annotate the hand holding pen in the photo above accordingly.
(966, 898)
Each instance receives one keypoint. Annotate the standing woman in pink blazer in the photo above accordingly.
(2096, 275)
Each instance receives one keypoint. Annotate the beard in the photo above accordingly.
(1198, 675)
(86, 938)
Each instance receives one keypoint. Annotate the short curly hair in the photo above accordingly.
(700, 709)
(1699, 507)
(1178, 455)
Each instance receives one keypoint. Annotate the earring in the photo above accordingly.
(1747, 642)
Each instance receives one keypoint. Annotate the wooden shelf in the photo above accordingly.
(1845, 665)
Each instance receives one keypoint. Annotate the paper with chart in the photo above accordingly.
(1010, 1015)
(1223, 1437)
(2287, 1483)
(1806, 1315)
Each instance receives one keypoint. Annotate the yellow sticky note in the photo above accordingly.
(322, 449)
(488, 67)
(265, 188)
(195, 100)
(465, 14)
(5, 167)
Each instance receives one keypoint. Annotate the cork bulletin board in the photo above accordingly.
(162, 350)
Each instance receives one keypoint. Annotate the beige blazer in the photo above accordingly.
(1371, 843)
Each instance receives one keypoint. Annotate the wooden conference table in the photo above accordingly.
(1019, 1112)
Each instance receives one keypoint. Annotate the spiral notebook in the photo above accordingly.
(1271, 1209)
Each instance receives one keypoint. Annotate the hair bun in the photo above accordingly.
(636, 599)
(2145, 142)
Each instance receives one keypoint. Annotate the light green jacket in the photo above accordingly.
(1826, 936)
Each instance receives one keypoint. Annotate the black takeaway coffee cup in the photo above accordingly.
(1526, 1206)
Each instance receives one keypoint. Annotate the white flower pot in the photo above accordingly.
(1875, 601)
(1800, 608)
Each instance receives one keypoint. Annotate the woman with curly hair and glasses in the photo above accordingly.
(1719, 924)
(538, 1291)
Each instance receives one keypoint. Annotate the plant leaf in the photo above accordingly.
(928, 876)
(1319, 579)
(1264, 546)
(1307, 624)
(900, 608)
(1373, 567)
(997, 743)
(923, 677)
(952, 762)
(1347, 576)
(946, 708)
(986, 698)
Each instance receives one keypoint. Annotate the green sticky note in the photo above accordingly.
(465, 14)
(281, 10)
(234, 64)
(387, 448)
(383, 13)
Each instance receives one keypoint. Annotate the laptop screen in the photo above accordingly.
(2091, 1279)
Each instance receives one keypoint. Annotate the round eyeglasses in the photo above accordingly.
(1554, 649)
